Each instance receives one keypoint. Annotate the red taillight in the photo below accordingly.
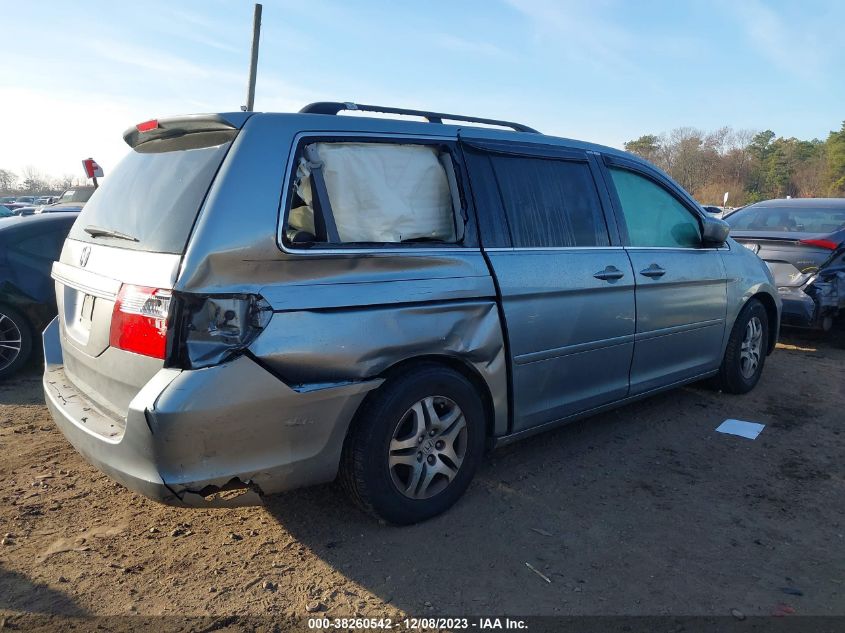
(139, 320)
(820, 243)
(146, 126)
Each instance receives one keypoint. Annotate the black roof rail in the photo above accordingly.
(333, 107)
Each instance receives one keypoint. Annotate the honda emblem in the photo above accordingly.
(83, 257)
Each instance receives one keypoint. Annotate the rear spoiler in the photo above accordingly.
(172, 127)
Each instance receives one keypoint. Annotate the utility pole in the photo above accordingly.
(253, 62)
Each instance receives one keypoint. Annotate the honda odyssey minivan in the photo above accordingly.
(256, 302)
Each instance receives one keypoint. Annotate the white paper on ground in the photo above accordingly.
(739, 427)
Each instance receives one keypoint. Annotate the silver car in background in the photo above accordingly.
(257, 302)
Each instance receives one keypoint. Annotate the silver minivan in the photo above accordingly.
(256, 302)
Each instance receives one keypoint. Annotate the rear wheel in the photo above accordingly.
(415, 446)
(745, 354)
(15, 341)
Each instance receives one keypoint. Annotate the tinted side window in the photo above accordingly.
(550, 202)
(653, 215)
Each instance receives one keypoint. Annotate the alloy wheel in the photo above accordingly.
(10, 341)
(428, 447)
(752, 345)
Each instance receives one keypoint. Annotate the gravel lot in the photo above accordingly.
(641, 511)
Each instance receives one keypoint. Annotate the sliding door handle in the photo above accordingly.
(611, 273)
(654, 271)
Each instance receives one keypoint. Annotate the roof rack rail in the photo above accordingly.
(333, 107)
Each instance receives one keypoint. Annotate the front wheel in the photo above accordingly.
(415, 445)
(745, 354)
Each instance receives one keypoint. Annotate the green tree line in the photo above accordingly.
(750, 165)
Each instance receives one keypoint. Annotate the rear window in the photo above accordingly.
(373, 193)
(83, 194)
(154, 194)
(787, 220)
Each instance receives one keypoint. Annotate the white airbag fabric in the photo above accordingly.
(381, 192)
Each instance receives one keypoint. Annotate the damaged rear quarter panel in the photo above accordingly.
(345, 315)
(339, 322)
(358, 317)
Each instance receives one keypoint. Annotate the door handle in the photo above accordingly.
(654, 271)
(611, 273)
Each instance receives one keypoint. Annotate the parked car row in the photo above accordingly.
(19, 202)
(71, 200)
(28, 200)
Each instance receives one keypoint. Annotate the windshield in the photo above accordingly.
(152, 196)
(787, 219)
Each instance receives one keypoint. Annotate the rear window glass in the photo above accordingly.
(152, 196)
(83, 194)
(788, 220)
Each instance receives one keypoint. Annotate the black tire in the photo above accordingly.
(365, 471)
(731, 377)
(12, 321)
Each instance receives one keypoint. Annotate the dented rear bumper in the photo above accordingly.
(189, 434)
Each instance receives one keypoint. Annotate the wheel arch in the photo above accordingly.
(26, 308)
(460, 365)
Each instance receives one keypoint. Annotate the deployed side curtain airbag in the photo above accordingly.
(381, 192)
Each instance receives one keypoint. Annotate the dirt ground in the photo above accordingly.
(644, 510)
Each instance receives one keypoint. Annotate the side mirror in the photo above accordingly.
(714, 231)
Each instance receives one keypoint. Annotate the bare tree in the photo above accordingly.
(647, 146)
(65, 182)
(689, 155)
(34, 180)
(8, 180)
(810, 178)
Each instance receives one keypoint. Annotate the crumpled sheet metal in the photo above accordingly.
(352, 344)
(236, 423)
(829, 290)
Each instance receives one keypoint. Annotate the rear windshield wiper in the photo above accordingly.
(97, 231)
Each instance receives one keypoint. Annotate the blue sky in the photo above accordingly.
(76, 74)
